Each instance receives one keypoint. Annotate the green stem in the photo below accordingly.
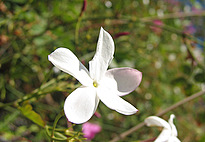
(49, 134)
(77, 31)
(36, 93)
(78, 23)
(55, 123)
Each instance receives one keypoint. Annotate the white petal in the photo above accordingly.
(173, 139)
(103, 56)
(113, 101)
(81, 104)
(66, 61)
(156, 121)
(164, 136)
(173, 127)
(124, 80)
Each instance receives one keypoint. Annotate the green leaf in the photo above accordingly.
(186, 69)
(28, 112)
(38, 28)
(200, 77)
(179, 81)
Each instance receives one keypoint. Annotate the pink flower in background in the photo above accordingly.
(156, 26)
(90, 130)
(158, 22)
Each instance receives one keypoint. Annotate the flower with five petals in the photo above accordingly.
(169, 132)
(98, 83)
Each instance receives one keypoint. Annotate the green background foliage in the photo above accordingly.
(32, 92)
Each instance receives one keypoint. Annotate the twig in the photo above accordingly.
(181, 103)
(174, 15)
(140, 125)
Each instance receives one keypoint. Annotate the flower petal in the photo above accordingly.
(103, 56)
(173, 139)
(125, 80)
(156, 121)
(173, 127)
(164, 136)
(113, 101)
(81, 104)
(66, 61)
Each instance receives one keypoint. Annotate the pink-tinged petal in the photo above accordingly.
(156, 121)
(164, 136)
(103, 56)
(124, 80)
(66, 61)
(113, 101)
(81, 104)
(173, 127)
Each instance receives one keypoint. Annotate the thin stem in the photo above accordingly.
(55, 123)
(77, 30)
(140, 125)
(78, 22)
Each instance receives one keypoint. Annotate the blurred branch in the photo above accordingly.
(190, 98)
(191, 54)
(175, 15)
(140, 125)
(149, 21)
(178, 32)
(127, 19)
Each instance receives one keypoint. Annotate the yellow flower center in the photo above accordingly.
(95, 84)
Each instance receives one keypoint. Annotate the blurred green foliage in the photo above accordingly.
(148, 37)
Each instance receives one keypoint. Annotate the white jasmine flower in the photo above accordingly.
(97, 84)
(169, 132)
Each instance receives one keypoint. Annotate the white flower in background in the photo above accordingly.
(169, 132)
(97, 84)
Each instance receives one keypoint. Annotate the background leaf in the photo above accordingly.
(28, 112)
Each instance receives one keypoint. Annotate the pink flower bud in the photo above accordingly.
(90, 130)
